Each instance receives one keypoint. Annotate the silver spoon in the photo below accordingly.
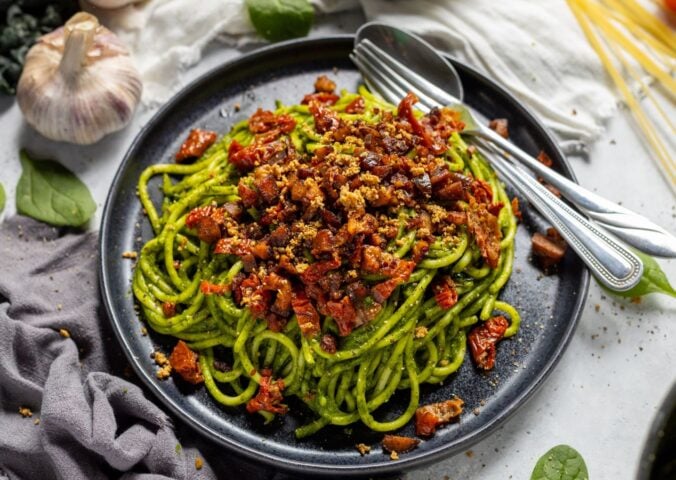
(437, 73)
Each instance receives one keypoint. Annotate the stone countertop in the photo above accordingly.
(602, 396)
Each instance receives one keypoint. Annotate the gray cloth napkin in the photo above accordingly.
(59, 358)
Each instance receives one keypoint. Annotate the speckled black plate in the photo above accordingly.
(550, 306)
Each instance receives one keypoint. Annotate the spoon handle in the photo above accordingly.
(633, 228)
(613, 265)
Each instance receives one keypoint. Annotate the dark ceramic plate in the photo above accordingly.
(550, 306)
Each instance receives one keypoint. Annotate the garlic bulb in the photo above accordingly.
(78, 82)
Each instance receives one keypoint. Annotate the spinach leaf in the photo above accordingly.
(560, 463)
(277, 20)
(2, 198)
(49, 192)
(654, 280)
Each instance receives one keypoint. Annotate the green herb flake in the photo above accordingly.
(2, 198)
(560, 463)
(49, 192)
(654, 280)
(277, 20)
(178, 448)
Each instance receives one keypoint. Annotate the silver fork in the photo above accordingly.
(610, 261)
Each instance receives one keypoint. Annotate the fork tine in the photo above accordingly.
(421, 83)
(392, 76)
(385, 85)
(373, 81)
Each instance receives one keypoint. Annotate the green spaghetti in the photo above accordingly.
(335, 251)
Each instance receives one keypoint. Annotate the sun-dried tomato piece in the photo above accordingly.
(267, 187)
(306, 314)
(208, 288)
(234, 246)
(515, 208)
(483, 339)
(501, 127)
(263, 121)
(185, 362)
(371, 259)
(481, 191)
(317, 270)
(269, 397)
(445, 293)
(356, 106)
(323, 242)
(398, 275)
(399, 443)
(258, 153)
(343, 313)
(325, 119)
(207, 222)
(445, 121)
(248, 195)
(456, 218)
(276, 323)
(451, 191)
(405, 110)
(494, 208)
(545, 159)
(324, 84)
(419, 250)
(325, 98)
(429, 417)
(168, 309)
(485, 228)
(196, 144)
(281, 285)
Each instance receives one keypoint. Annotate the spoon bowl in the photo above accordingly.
(415, 53)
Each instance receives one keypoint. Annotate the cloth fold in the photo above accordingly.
(535, 49)
(59, 359)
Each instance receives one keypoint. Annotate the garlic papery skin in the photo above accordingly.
(78, 83)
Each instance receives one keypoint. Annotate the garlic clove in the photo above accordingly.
(78, 83)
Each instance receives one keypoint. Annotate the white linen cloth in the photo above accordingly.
(535, 49)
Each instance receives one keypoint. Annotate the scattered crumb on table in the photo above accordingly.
(64, 333)
(130, 254)
(199, 463)
(25, 412)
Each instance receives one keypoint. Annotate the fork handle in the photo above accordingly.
(611, 263)
(633, 228)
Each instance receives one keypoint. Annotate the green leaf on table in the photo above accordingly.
(560, 463)
(277, 20)
(49, 192)
(654, 280)
(2, 198)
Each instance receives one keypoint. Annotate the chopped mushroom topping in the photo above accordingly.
(501, 127)
(549, 249)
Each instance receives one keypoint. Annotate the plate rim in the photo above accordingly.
(314, 468)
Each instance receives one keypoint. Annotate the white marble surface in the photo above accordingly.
(621, 362)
